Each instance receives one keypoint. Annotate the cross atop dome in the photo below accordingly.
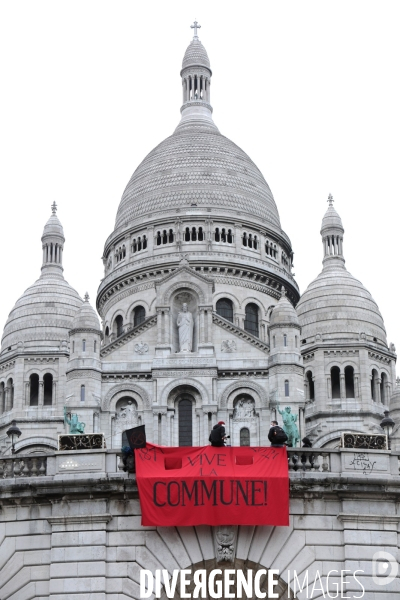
(54, 208)
(330, 200)
(86, 297)
(195, 26)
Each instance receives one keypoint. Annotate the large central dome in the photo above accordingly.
(197, 166)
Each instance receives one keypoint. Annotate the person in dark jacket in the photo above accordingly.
(276, 435)
(217, 435)
(306, 442)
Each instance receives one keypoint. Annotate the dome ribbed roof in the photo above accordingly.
(331, 220)
(284, 314)
(197, 165)
(337, 305)
(196, 55)
(86, 318)
(53, 227)
(43, 315)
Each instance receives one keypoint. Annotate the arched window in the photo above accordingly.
(194, 234)
(217, 236)
(286, 388)
(310, 382)
(251, 320)
(165, 237)
(34, 389)
(230, 236)
(144, 242)
(335, 382)
(285, 339)
(139, 315)
(225, 309)
(94, 346)
(107, 332)
(83, 345)
(187, 234)
(10, 397)
(374, 383)
(200, 236)
(83, 394)
(48, 389)
(244, 436)
(185, 423)
(73, 347)
(171, 236)
(274, 341)
(120, 325)
(244, 239)
(158, 238)
(2, 397)
(349, 381)
(384, 382)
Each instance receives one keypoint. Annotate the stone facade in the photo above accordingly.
(198, 227)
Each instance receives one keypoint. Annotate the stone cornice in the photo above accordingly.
(241, 333)
(86, 330)
(126, 337)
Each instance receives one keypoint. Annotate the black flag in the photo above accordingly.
(136, 437)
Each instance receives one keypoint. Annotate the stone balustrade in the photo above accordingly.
(315, 462)
(23, 466)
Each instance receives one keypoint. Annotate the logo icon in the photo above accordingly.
(384, 568)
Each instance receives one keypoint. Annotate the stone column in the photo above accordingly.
(155, 428)
(170, 427)
(356, 387)
(54, 394)
(205, 427)
(6, 399)
(202, 332)
(1, 400)
(302, 422)
(150, 239)
(342, 387)
(154, 391)
(209, 325)
(307, 389)
(238, 237)
(41, 393)
(329, 387)
(159, 326)
(378, 389)
(167, 326)
(27, 393)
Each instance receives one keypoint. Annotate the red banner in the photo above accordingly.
(213, 486)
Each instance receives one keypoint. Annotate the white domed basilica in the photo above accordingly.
(201, 317)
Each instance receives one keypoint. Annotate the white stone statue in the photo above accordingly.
(185, 328)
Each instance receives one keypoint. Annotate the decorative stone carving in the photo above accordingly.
(141, 348)
(126, 417)
(228, 346)
(244, 409)
(185, 329)
(225, 543)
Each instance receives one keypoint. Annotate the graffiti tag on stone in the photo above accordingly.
(362, 462)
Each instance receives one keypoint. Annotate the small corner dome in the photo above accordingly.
(43, 315)
(284, 314)
(331, 220)
(338, 306)
(196, 55)
(86, 317)
(53, 227)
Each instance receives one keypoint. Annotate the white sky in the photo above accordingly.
(309, 89)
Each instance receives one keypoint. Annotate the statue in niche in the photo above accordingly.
(244, 409)
(289, 426)
(127, 417)
(185, 329)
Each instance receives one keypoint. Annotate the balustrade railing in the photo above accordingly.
(309, 459)
(23, 466)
